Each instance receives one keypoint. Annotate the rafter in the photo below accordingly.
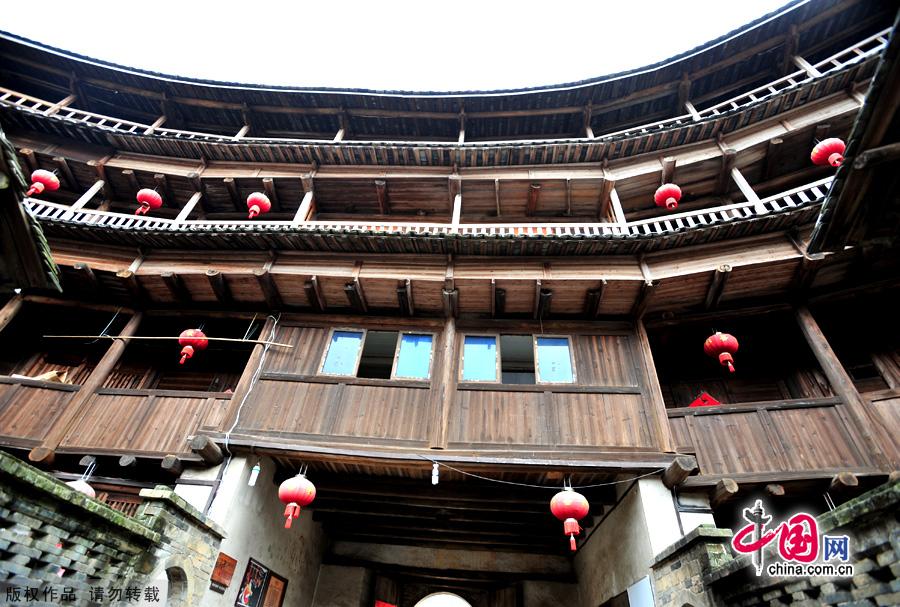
(716, 287)
(534, 193)
(314, 294)
(381, 193)
(219, 286)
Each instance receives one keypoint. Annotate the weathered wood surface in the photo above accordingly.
(28, 409)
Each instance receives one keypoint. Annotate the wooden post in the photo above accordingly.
(156, 124)
(188, 207)
(207, 449)
(653, 391)
(806, 66)
(724, 490)
(443, 389)
(746, 190)
(53, 109)
(304, 209)
(10, 309)
(244, 383)
(85, 198)
(853, 410)
(76, 407)
(457, 211)
(681, 468)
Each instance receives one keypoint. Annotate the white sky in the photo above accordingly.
(410, 45)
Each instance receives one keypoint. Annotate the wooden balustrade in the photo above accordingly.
(29, 407)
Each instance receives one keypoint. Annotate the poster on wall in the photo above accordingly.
(251, 591)
(275, 591)
(222, 573)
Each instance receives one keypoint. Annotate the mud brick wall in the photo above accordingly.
(62, 546)
(700, 569)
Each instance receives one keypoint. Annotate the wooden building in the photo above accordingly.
(480, 281)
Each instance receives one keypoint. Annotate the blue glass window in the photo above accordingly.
(414, 357)
(479, 358)
(554, 364)
(343, 352)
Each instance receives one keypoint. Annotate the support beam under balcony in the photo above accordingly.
(716, 287)
(271, 192)
(269, 288)
(67, 101)
(305, 210)
(188, 208)
(84, 199)
(594, 299)
(88, 278)
(10, 309)
(773, 157)
(156, 124)
(806, 66)
(219, 286)
(498, 299)
(381, 193)
(728, 159)
(405, 297)
(129, 280)
(668, 170)
(443, 391)
(314, 294)
(695, 115)
(747, 190)
(235, 196)
(69, 179)
(176, 287)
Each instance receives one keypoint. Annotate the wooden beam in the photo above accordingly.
(791, 45)
(241, 133)
(498, 299)
(30, 159)
(876, 156)
(130, 282)
(695, 115)
(773, 157)
(10, 309)
(616, 207)
(568, 197)
(269, 288)
(843, 483)
(657, 408)
(235, 196)
(775, 490)
(728, 158)
(457, 210)
(716, 287)
(594, 299)
(76, 407)
(534, 193)
(176, 287)
(747, 190)
(684, 93)
(314, 294)
(356, 296)
(462, 127)
(648, 288)
(162, 186)
(269, 189)
(606, 193)
(450, 300)
(305, 209)
(219, 286)
(587, 114)
(497, 195)
(405, 297)
(133, 182)
(87, 277)
(443, 392)
(724, 491)
(84, 199)
(681, 467)
(127, 461)
(384, 204)
(207, 449)
(69, 179)
(545, 297)
(156, 124)
(668, 170)
(67, 101)
(172, 464)
(806, 66)
(246, 382)
(188, 208)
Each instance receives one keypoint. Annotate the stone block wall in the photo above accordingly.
(700, 569)
(58, 546)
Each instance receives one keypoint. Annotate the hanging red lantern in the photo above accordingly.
(667, 196)
(569, 506)
(150, 201)
(295, 492)
(191, 340)
(722, 346)
(258, 203)
(829, 152)
(42, 180)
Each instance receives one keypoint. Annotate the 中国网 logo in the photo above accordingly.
(799, 545)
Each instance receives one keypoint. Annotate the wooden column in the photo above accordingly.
(657, 409)
(243, 385)
(853, 410)
(443, 387)
(84, 199)
(457, 211)
(75, 409)
(303, 211)
(10, 309)
(188, 207)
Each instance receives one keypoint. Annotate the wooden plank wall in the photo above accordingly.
(801, 435)
(886, 408)
(29, 408)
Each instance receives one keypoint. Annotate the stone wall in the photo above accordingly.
(700, 569)
(58, 546)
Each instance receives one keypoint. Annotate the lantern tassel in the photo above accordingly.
(671, 204)
(254, 211)
(835, 160)
(36, 188)
(291, 511)
(572, 542)
(186, 353)
(726, 361)
(143, 209)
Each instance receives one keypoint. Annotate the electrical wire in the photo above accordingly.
(108, 325)
(498, 480)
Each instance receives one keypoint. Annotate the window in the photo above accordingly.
(479, 358)
(554, 360)
(378, 354)
(520, 359)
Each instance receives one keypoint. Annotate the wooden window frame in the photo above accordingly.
(537, 360)
(462, 359)
(400, 335)
(362, 343)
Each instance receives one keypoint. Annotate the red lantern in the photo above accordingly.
(296, 493)
(829, 152)
(722, 345)
(667, 196)
(42, 180)
(570, 506)
(191, 339)
(258, 203)
(150, 201)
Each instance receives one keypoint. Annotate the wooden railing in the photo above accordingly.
(861, 51)
(28, 407)
(793, 436)
(796, 198)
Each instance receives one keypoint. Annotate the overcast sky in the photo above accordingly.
(415, 45)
